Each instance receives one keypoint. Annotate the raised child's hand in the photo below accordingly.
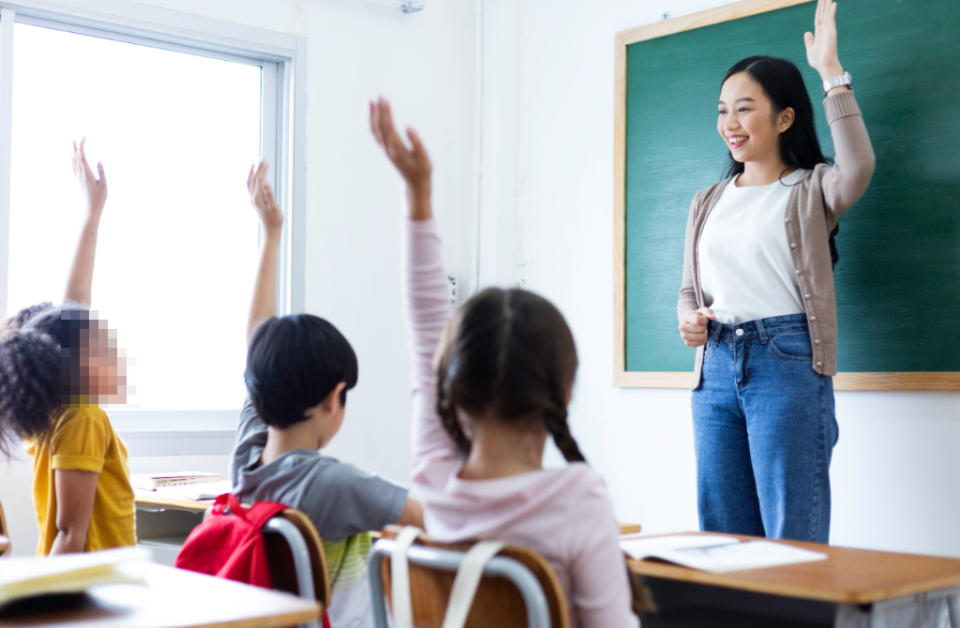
(94, 188)
(262, 199)
(413, 163)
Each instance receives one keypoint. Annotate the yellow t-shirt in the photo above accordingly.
(84, 440)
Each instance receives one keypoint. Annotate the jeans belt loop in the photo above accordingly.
(762, 332)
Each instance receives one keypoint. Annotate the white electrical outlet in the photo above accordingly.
(454, 290)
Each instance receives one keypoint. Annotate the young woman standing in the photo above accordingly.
(758, 295)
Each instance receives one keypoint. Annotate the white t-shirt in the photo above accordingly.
(746, 270)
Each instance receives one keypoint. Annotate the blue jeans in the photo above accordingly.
(764, 430)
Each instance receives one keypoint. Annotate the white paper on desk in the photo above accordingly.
(644, 547)
(198, 491)
(738, 556)
(69, 573)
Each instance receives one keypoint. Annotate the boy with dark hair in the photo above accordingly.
(299, 369)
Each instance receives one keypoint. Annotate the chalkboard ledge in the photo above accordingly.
(843, 381)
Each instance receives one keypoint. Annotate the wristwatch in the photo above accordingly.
(837, 81)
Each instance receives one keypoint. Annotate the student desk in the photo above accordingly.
(152, 501)
(852, 588)
(173, 598)
(163, 522)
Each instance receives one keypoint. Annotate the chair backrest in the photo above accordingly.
(298, 564)
(499, 600)
(297, 560)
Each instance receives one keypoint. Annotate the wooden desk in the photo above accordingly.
(153, 501)
(625, 528)
(176, 599)
(4, 545)
(848, 579)
(163, 522)
(629, 528)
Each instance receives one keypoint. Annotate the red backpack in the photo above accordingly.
(231, 546)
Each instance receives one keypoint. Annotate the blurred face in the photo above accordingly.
(747, 121)
(103, 366)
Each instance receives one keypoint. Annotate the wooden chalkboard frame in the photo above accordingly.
(929, 381)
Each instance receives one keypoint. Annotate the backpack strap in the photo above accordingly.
(256, 515)
(222, 502)
(464, 584)
(260, 513)
(467, 580)
(400, 577)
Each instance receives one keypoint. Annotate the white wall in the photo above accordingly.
(896, 473)
(357, 49)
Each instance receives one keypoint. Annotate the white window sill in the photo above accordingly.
(178, 442)
(175, 433)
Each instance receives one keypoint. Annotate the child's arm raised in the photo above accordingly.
(412, 163)
(80, 282)
(424, 284)
(264, 304)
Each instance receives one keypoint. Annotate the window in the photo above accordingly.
(177, 128)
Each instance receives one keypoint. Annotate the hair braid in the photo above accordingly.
(556, 421)
(448, 413)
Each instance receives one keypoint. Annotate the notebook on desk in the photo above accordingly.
(717, 553)
(70, 573)
(198, 491)
(152, 481)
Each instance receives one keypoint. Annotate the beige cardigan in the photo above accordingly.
(816, 204)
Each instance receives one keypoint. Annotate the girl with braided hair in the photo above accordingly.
(57, 363)
(483, 411)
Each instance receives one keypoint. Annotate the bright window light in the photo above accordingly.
(177, 134)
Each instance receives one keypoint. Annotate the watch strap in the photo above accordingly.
(837, 81)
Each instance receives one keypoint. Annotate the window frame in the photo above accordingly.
(282, 58)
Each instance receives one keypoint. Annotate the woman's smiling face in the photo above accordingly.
(747, 121)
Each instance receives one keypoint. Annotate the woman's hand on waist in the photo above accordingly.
(693, 326)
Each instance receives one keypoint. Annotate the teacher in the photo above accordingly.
(758, 297)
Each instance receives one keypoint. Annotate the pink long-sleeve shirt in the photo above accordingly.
(564, 514)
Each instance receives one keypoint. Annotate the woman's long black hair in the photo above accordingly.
(510, 354)
(799, 146)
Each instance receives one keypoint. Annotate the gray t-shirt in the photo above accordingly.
(340, 499)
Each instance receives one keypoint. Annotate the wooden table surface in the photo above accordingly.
(175, 598)
(848, 576)
(151, 500)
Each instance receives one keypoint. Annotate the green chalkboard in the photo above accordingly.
(898, 280)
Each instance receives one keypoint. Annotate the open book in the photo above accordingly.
(70, 573)
(716, 553)
(152, 481)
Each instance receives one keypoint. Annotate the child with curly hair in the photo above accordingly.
(57, 363)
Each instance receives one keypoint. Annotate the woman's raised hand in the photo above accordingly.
(263, 200)
(94, 187)
(693, 326)
(413, 163)
(822, 43)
